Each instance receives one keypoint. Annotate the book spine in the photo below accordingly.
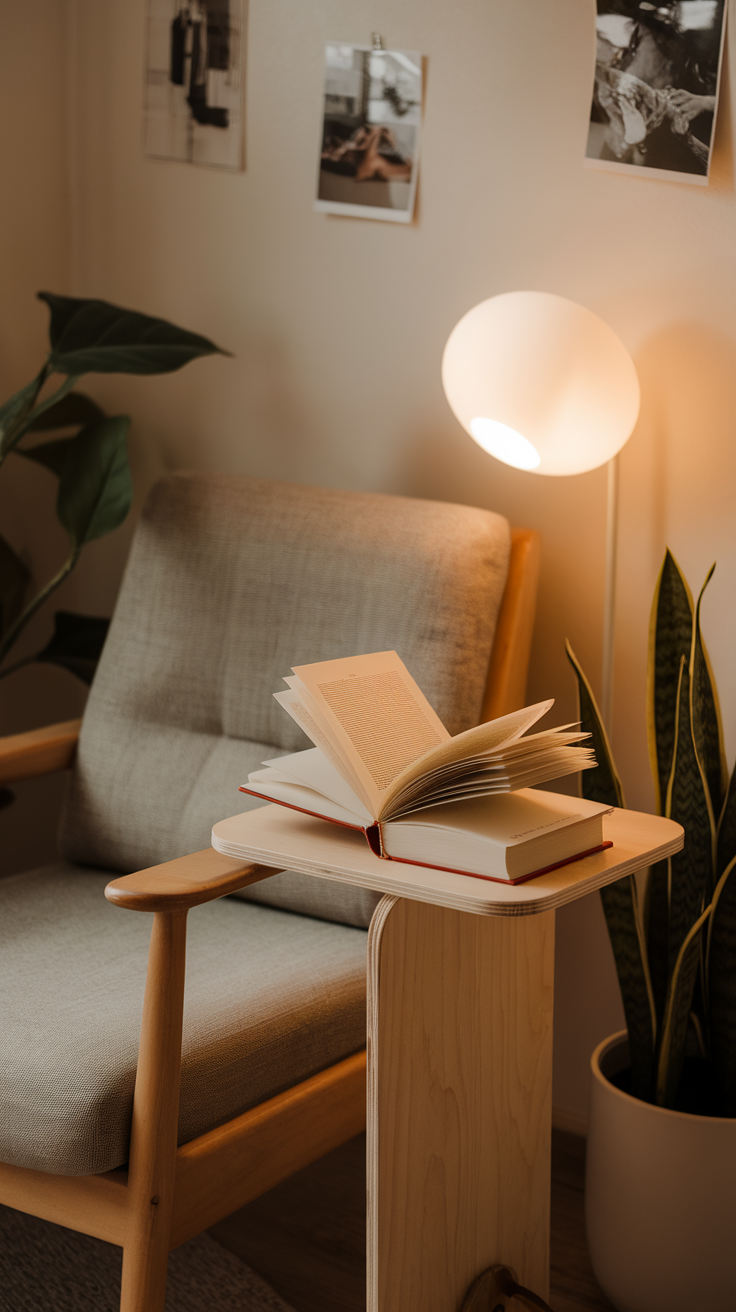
(375, 839)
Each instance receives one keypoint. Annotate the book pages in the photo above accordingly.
(312, 769)
(481, 740)
(308, 718)
(381, 752)
(376, 714)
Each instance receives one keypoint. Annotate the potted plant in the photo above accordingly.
(661, 1168)
(88, 455)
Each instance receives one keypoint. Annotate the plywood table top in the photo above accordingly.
(288, 840)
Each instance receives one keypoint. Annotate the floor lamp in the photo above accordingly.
(545, 385)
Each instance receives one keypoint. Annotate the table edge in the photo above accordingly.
(527, 906)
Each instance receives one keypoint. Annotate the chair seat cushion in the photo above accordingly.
(271, 998)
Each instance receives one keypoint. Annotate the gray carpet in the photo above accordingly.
(45, 1268)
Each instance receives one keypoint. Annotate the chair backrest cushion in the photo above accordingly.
(230, 582)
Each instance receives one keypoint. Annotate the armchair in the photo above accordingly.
(260, 1068)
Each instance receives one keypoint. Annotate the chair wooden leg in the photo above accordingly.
(155, 1119)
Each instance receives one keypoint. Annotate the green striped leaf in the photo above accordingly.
(601, 784)
(624, 928)
(677, 1014)
(687, 803)
(726, 844)
(657, 922)
(619, 900)
(670, 639)
(721, 975)
(706, 716)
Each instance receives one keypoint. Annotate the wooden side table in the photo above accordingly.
(460, 996)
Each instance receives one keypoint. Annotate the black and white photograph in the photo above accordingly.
(370, 133)
(657, 72)
(193, 92)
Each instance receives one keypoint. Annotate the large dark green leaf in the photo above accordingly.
(706, 715)
(677, 1013)
(601, 784)
(95, 337)
(670, 638)
(76, 644)
(49, 454)
(14, 580)
(721, 972)
(687, 803)
(624, 928)
(95, 488)
(71, 410)
(657, 921)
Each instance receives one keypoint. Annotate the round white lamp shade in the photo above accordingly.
(541, 383)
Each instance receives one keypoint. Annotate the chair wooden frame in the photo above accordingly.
(168, 1194)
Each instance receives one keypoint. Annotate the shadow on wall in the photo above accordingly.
(688, 382)
(260, 385)
(678, 474)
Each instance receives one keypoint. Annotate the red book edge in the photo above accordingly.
(373, 839)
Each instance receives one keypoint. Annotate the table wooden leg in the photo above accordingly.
(459, 1102)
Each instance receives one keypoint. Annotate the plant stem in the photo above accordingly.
(12, 435)
(22, 425)
(17, 628)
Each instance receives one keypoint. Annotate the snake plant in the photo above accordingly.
(675, 945)
(88, 455)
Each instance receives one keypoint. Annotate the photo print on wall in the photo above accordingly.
(192, 108)
(657, 75)
(370, 133)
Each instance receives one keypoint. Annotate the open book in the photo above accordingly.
(384, 763)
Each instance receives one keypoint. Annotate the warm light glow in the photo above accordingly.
(547, 376)
(504, 443)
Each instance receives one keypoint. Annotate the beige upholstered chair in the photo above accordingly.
(230, 582)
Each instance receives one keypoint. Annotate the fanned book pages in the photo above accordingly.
(384, 763)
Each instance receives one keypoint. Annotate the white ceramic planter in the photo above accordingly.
(660, 1199)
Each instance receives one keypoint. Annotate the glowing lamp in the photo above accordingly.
(546, 386)
(541, 383)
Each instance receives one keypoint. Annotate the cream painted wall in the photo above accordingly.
(337, 327)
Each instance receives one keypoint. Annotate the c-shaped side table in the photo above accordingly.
(460, 993)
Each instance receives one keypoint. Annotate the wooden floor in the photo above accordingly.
(307, 1236)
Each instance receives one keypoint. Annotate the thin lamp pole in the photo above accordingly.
(609, 596)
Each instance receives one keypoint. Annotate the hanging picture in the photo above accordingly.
(656, 87)
(193, 99)
(370, 133)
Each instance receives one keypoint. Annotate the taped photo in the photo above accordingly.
(655, 97)
(193, 92)
(370, 133)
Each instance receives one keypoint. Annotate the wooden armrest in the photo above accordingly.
(186, 882)
(506, 684)
(40, 751)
